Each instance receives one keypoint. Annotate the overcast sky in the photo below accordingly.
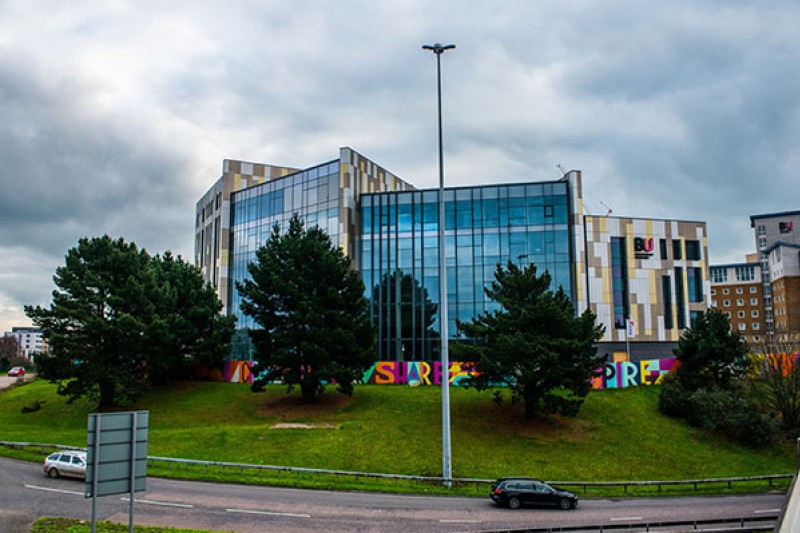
(115, 116)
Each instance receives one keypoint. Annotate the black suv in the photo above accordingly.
(517, 491)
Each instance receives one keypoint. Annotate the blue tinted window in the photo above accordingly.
(483, 227)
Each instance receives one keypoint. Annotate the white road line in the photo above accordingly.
(460, 521)
(270, 513)
(761, 511)
(625, 518)
(48, 489)
(164, 504)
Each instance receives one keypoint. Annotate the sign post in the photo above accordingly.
(117, 457)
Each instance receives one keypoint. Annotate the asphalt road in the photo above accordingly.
(6, 381)
(26, 494)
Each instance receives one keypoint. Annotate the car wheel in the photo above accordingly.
(565, 504)
(513, 503)
(53, 472)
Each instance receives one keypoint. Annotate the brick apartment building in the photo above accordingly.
(737, 291)
(762, 295)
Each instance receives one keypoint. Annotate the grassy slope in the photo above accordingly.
(618, 435)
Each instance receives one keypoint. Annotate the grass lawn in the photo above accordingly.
(619, 435)
(73, 525)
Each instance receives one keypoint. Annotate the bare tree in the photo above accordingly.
(778, 378)
(9, 350)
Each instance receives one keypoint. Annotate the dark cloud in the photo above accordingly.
(115, 118)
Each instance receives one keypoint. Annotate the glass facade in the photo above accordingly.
(666, 296)
(679, 298)
(694, 278)
(312, 193)
(484, 226)
(619, 281)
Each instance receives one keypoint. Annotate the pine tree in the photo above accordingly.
(311, 311)
(97, 321)
(534, 345)
(121, 320)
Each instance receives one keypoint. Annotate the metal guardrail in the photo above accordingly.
(584, 484)
(738, 525)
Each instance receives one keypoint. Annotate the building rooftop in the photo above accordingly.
(731, 265)
(753, 218)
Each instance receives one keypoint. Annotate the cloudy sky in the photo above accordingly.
(115, 116)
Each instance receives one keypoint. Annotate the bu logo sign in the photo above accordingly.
(643, 245)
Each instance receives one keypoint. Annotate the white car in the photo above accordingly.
(68, 464)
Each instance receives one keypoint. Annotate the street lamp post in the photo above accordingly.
(447, 466)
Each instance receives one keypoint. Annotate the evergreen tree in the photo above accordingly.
(97, 321)
(535, 345)
(189, 328)
(121, 319)
(311, 311)
(710, 354)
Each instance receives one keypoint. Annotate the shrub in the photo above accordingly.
(728, 413)
(673, 399)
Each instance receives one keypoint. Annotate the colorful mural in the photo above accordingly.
(614, 376)
(414, 373)
(633, 374)
(238, 371)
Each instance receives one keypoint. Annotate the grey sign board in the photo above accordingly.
(117, 453)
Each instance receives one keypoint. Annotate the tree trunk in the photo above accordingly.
(531, 407)
(531, 396)
(308, 387)
(107, 390)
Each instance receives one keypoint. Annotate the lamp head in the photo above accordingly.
(438, 48)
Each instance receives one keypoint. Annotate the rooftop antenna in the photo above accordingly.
(563, 172)
(608, 213)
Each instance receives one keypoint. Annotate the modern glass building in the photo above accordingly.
(312, 193)
(484, 226)
(653, 272)
(236, 216)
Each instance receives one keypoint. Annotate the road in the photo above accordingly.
(26, 494)
(6, 381)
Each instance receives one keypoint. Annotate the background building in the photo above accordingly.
(784, 272)
(771, 229)
(762, 295)
(30, 342)
(737, 291)
(653, 272)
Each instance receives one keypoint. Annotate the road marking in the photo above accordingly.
(761, 511)
(625, 518)
(164, 504)
(460, 521)
(270, 513)
(62, 491)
